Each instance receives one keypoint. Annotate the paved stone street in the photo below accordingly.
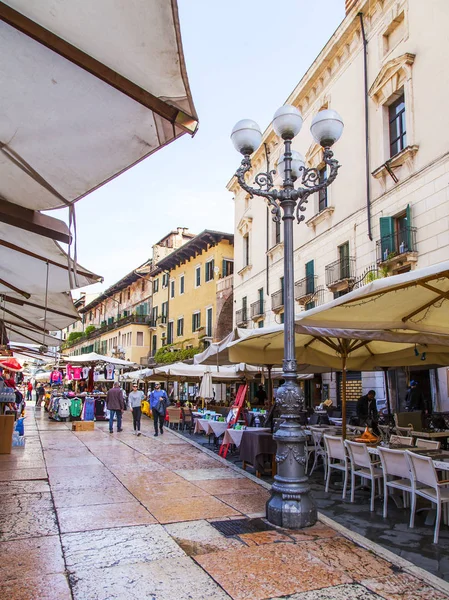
(94, 516)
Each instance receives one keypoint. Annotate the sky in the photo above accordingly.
(244, 58)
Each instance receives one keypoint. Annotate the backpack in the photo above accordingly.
(64, 408)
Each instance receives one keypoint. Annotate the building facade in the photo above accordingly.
(117, 321)
(191, 291)
(388, 210)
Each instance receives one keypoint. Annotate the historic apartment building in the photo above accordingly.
(192, 293)
(384, 71)
(118, 320)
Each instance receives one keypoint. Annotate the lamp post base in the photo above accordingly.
(291, 504)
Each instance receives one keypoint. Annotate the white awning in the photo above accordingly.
(93, 357)
(89, 89)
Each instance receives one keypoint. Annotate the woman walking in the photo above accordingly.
(135, 402)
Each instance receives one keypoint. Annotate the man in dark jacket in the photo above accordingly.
(367, 409)
(415, 401)
(116, 405)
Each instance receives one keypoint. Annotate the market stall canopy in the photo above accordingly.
(26, 257)
(93, 357)
(89, 89)
(17, 333)
(414, 301)
(10, 363)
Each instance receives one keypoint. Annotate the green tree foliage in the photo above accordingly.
(90, 329)
(166, 356)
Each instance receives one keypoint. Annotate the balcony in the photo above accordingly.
(241, 317)
(152, 323)
(340, 275)
(129, 319)
(162, 320)
(257, 310)
(304, 289)
(315, 299)
(398, 250)
(277, 301)
(225, 283)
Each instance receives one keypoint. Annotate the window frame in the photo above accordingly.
(400, 118)
(180, 327)
(197, 276)
(196, 316)
(209, 270)
(181, 285)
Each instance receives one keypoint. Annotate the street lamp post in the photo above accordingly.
(291, 504)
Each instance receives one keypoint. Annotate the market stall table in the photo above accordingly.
(257, 447)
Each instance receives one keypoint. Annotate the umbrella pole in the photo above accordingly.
(270, 384)
(343, 396)
(387, 394)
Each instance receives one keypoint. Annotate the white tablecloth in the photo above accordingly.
(234, 436)
(209, 427)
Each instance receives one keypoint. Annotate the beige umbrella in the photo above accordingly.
(206, 391)
(343, 349)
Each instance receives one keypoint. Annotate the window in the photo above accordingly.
(322, 194)
(396, 235)
(196, 321)
(120, 298)
(165, 280)
(244, 308)
(181, 284)
(155, 286)
(139, 339)
(209, 270)
(198, 276)
(143, 285)
(227, 267)
(154, 345)
(310, 277)
(246, 250)
(398, 133)
(209, 322)
(180, 327)
(282, 291)
(154, 315)
(172, 288)
(343, 254)
(129, 293)
(277, 232)
(260, 324)
(164, 311)
(170, 333)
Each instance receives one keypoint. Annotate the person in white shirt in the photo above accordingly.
(135, 401)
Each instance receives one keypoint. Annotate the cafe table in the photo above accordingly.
(234, 436)
(256, 448)
(210, 427)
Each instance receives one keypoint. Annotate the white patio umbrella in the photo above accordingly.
(93, 357)
(343, 349)
(206, 391)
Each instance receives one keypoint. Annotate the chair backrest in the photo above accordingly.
(317, 437)
(186, 416)
(358, 453)
(174, 415)
(409, 419)
(335, 447)
(401, 440)
(394, 462)
(430, 444)
(422, 469)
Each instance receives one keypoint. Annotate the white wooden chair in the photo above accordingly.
(362, 466)
(396, 472)
(429, 444)
(425, 483)
(401, 440)
(337, 458)
(318, 450)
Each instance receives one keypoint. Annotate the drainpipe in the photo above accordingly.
(367, 156)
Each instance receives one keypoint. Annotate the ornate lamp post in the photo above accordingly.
(291, 504)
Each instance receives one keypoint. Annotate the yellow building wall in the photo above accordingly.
(195, 298)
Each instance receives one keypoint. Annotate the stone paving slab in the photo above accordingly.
(26, 558)
(175, 510)
(103, 516)
(26, 516)
(341, 592)
(204, 474)
(199, 537)
(38, 587)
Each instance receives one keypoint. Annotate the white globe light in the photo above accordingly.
(327, 127)
(297, 163)
(246, 136)
(287, 122)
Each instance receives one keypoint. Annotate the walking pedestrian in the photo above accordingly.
(135, 402)
(158, 404)
(29, 391)
(116, 405)
(40, 395)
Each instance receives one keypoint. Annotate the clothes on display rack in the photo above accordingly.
(75, 409)
(68, 372)
(77, 373)
(110, 371)
(97, 375)
(88, 413)
(100, 405)
(86, 372)
(55, 377)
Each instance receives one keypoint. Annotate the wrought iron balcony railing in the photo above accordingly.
(315, 299)
(340, 270)
(398, 243)
(277, 300)
(257, 309)
(241, 317)
(304, 288)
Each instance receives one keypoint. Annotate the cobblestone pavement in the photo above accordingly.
(94, 516)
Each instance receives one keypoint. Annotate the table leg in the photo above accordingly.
(244, 466)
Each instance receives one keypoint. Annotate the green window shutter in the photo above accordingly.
(386, 236)
(310, 277)
(408, 213)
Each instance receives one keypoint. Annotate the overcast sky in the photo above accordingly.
(244, 57)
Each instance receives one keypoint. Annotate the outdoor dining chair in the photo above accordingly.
(318, 450)
(429, 444)
(401, 440)
(174, 417)
(187, 419)
(362, 466)
(337, 458)
(396, 472)
(425, 483)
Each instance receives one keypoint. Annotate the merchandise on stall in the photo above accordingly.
(75, 409)
(110, 371)
(88, 413)
(56, 377)
(100, 405)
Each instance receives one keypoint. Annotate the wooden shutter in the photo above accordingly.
(386, 236)
(310, 277)
(408, 213)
